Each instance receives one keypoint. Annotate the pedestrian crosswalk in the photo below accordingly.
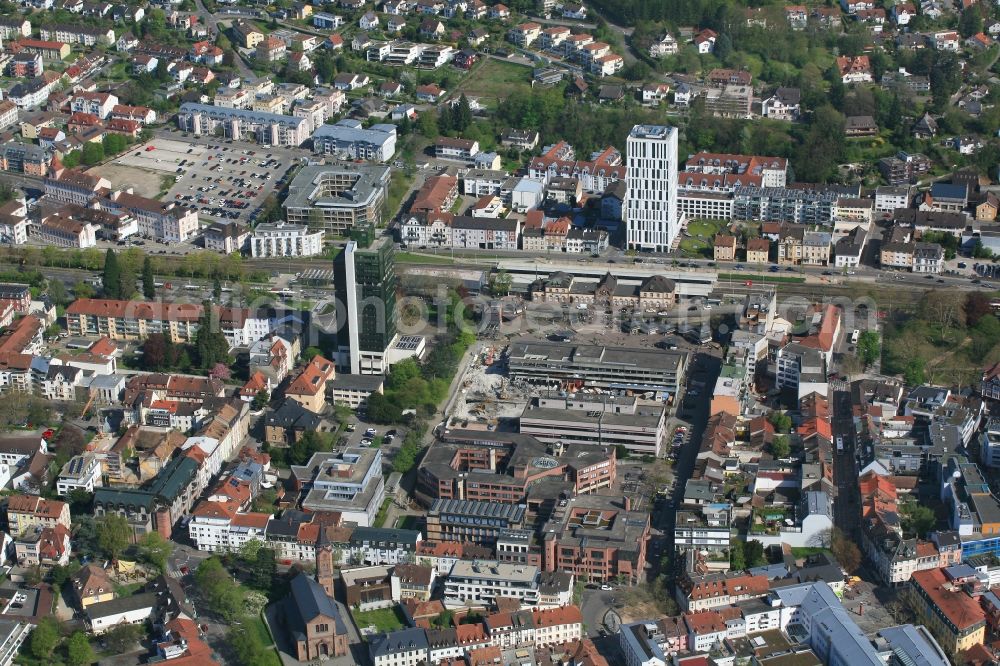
(174, 573)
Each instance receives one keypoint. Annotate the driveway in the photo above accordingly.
(184, 556)
(594, 605)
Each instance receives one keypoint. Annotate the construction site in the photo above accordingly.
(488, 400)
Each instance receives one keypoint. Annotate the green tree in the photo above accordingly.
(59, 575)
(780, 447)
(247, 646)
(500, 283)
(971, 22)
(210, 344)
(913, 372)
(123, 638)
(57, 292)
(918, 519)
(260, 400)
(44, 638)
(113, 534)
(869, 347)
(781, 421)
(427, 124)
(93, 153)
(248, 551)
(737, 559)
(382, 410)
(462, 114)
(264, 569)
(846, 551)
(154, 550)
(310, 353)
(112, 278)
(754, 553)
(221, 594)
(78, 650)
(148, 282)
(216, 290)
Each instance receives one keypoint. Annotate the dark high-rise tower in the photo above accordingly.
(365, 285)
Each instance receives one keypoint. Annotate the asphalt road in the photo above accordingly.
(847, 504)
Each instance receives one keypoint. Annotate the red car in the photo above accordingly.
(184, 570)
(48, 434)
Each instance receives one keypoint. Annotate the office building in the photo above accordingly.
(605, 420)
(365, 282)
(336, 198)
(651, 214)
(471, 521)
(503, 468)
(595, 537)
(349, 483)
(563, 365)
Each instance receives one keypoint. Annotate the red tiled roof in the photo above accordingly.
(556, 616)
(258, 520)
(961, 610)
(216, 510)
(313, 378)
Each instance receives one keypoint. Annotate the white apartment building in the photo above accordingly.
(269, 129)
(285, 240)
(889, 197)
(60, 383)
(798, 363)
(215, 528)
(165, 222)
(348, 139)
(651, 215)
(81, 472)
(8, 114)
(99, 104)
(485, 580)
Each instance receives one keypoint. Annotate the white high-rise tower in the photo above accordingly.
(651, 217)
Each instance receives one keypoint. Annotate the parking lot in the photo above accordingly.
(224, 182)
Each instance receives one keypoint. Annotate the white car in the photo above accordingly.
(366, 442)
(606, 587)
(371, 432)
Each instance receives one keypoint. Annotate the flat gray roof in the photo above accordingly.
(305, 189)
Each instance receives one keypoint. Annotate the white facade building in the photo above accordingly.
(285, 240)
(485, 580)
(651, 214)
(82, 472)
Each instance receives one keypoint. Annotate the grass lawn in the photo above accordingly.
(384, 619)
(399, 185)
(742, 277)
(257, 626)
(382, 511)
(806, 551)
(696, 247)
(407, 523)
(496, 79)
(704, 228)
(127, 590)
(413, 258)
